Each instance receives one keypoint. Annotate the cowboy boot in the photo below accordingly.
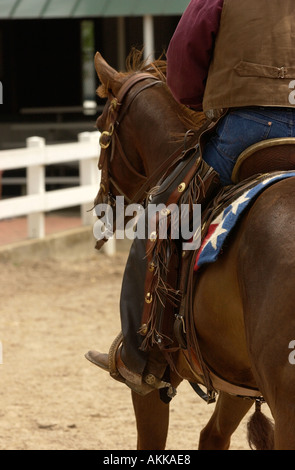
(141, 384)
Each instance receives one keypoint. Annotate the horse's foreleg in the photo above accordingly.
(228, 413)
(152, 420)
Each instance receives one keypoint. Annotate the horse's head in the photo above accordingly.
(120, 158)
(123, 171)
(136, 125)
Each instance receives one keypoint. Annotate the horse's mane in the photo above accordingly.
(135, 63)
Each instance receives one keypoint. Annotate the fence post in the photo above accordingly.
(89, 174)
(36, 185)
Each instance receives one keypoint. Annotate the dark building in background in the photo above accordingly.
(47, 77)
(47, 72)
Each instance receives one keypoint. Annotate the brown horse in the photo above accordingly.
(244, 302)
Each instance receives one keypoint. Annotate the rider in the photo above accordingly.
(234, 61)
(236, 56)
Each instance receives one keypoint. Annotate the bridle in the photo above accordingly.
(109, 140)
(110, 143)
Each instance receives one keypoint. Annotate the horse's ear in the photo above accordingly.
(108, 76)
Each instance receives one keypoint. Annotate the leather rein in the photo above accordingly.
(109, 140)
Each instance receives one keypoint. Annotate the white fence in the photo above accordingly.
(37, 201)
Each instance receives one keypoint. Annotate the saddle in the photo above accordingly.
(176, 328)
(264, 157)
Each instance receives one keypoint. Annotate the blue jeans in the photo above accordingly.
(241, 128)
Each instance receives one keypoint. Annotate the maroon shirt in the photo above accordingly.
(190, 51)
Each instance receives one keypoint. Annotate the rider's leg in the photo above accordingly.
(130, 360)
(140, 366)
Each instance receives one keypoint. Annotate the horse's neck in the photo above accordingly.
(157, 130)
(165, 140)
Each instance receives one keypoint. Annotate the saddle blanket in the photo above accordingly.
(222, 225)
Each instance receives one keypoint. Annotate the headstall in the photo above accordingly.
(110, 142)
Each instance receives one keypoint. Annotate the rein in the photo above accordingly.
(110, 138)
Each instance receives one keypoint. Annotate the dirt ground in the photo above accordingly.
(52, 311)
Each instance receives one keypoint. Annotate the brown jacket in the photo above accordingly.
(254, 56)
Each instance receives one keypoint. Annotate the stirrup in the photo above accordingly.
(113, 370)
(147, 383)
(109, 363)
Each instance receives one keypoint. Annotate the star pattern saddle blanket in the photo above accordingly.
(225, 221)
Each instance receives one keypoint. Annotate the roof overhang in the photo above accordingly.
(49, 9)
